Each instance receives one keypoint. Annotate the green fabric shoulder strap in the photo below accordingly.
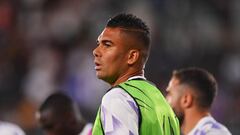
(97, 127)
(156, 115)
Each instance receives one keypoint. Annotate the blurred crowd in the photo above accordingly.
(46, 46)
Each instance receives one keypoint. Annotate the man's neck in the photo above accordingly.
(191, 119)
(126, 76)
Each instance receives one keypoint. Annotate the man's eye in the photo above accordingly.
(107, 45)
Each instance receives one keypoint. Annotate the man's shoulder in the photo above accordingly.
(115, 92)
(210, 126)
(117, 97)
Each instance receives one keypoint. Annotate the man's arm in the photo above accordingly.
(119, 113)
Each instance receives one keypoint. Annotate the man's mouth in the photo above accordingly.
(97, 65)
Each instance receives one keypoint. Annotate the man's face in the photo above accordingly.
(111, 54)
(54, 125)
(174, 95)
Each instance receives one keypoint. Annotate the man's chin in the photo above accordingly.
(100, 76)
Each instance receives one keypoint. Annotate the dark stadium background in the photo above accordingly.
(46, 46)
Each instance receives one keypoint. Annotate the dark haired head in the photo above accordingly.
(128, 21)
(134, 26)
(58, 102)
(59, 115)
(202, 82)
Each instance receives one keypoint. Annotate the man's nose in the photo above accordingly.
(96, 52)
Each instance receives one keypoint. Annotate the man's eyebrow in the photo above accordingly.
(107, 41)
(104, 41)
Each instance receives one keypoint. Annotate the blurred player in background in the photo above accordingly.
(59, 115)
(133, 105)
(191, 92)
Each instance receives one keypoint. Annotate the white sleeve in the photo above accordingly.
(119, 113)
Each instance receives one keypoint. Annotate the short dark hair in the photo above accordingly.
(59, 103)
(202, 82)
(134, 25)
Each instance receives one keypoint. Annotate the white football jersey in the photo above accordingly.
(209, 126)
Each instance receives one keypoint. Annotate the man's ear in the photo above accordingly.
(187, 100)
(133, 56)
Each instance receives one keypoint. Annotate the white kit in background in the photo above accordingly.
(7, 128)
